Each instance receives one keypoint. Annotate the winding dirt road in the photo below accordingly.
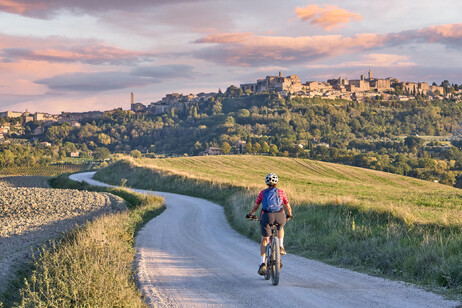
(190, 257)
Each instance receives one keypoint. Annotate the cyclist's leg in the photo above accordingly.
(265, 232)
(281, 220)
(264, 242)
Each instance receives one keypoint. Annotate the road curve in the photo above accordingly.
(190, 257)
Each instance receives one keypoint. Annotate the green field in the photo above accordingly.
(380, 223)
(48, 170)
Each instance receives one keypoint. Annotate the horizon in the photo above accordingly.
(151, 48)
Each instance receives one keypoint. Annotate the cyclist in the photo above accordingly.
(271, 200)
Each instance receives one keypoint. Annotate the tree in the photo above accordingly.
(248, 147)
(273, 150)
(104, 139)
(458, 180)
(225, 148)
(413, 142)
(7, 158)
(101, 153)
(233, 91)
(217, 107)
(197, 148)
(135, 154)
(265, 147)
(243, 113)
(256, 147)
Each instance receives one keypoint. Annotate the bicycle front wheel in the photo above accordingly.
(268, 262)
(276, 261)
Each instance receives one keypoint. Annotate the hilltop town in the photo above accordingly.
(341, 88)
(366, 87)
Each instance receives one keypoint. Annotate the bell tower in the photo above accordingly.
(132, 100)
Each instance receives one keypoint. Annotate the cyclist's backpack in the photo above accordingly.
(271, 201)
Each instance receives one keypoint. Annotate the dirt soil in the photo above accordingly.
(31, 215)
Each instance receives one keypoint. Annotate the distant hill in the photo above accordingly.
(376, 134)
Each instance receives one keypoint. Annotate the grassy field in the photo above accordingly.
(380, 223)
(91, 266)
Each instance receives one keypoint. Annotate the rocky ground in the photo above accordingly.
(31, 214)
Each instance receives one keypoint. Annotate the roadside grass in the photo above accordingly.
(91, 266)
(379, 223)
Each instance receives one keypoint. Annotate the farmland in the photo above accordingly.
(31, 214)
(43, 170)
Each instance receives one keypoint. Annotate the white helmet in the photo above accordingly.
(271, 179)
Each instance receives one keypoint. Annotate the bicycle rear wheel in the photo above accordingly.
(275, 261)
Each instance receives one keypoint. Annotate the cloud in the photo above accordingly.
(94, 82)
(48, 8)
(371, 60)
(92, 53)
(247, 49)
(164, 71)
(105, 81)
(328, 17)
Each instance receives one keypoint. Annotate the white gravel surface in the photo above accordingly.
(190, 257)
(30, 216)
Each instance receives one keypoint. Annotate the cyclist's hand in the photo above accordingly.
(289, 217)
(251, 217)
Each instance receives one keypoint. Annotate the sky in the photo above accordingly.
(67, 55)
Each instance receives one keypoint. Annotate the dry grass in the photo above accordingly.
(314, 182)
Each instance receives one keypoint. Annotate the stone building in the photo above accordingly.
(138, 107)
(279, 83)
(358, 85)
(78, 116)
(317, 86)
(10, 114)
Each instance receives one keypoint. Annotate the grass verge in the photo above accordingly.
(91, 266)
(338, 231)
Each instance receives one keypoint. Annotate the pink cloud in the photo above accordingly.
(55, 49)
(17, 7)
(370, 60)
(450, 34)
(247, 49)
(328, 17)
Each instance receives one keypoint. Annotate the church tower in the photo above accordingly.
(132, 100)
(370, 74)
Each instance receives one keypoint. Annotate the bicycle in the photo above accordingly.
(273, 255)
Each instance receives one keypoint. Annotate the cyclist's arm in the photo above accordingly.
(285, 201)
(254, 209)
(289, 209)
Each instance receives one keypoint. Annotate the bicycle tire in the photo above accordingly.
(275, 262)
(268, 262)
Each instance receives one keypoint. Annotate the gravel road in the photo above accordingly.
(190, 257)
(30, 216)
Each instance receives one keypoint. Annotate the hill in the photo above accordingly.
(376, 134)
(377, 222)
